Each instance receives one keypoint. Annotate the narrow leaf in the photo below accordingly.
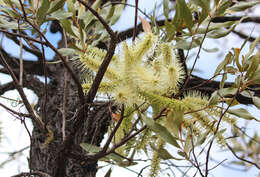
(161, 131)
(146, 25)
(56, 5)
(241, 6)
(67, 51)
(42, 11)
(224, 63)
(166, 8)
(242, 113)
(256, 101)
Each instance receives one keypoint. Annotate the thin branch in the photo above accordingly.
(33, 51)
(127, 138)
(15, 112)
(31, 67)
(114, 130)
(215, 132)
(130, 5)
(197, 56)
(244, 160)
(136, 14)
(104, 23)
(195, 157)
(64, 104)
(74, 76)
(235, 18)
(217, 164)
(39, 123)
(23, 36)
(20, 58)
(6, 87)
(244, 36)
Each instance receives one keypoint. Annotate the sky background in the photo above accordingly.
(16, 138)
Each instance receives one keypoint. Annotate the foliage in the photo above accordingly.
(148, 78)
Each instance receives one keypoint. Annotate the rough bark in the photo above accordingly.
(92, 130)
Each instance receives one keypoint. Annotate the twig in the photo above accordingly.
(130, 5)
(64, 104)
(135, 25)
(210, 145)
(23, 36)
(115, 129)
(103, 67)
(74, 76)
(218, 164)
(127, 138)
(15, 112)
(197, 56)
(195, 157)
(39, 123)
(234, 153)
(45, 82)
(20, 57)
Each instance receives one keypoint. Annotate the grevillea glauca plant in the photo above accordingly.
(147, 75)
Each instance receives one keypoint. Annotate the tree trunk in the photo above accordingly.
(43, 155)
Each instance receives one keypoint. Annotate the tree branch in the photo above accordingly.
(123, 35)
(6, 87)
(35, 52)
(22, 94)
(208, 87)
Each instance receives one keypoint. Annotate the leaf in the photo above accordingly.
(204, 4)
(222, 8)
(256, 101)
(224, 63)
(166, 8)
(118, 9)
(236, 57)
(215, 26)
(71, 7)
(184, 44)
(161, 131)
(174, 120)
(42, 11)
(252, 47)
(241, 6)
(255, 79)
(88, 16)
(146, 25)
(67, 51)
(223, 79)
(61, 14)
(67, 25)
(202, 138)
(214, 99)
(222, 32)
(253, 66)
(92, 149)
(212, 50)
(183, 16)
(56, 5)
(163, 153)
(242, 113)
